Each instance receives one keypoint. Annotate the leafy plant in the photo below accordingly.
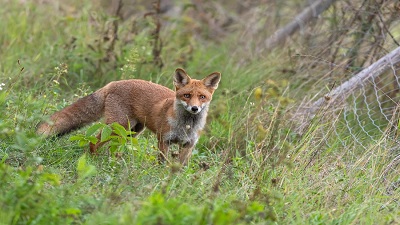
(117, 136)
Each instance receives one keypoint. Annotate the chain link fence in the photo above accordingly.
(361, 117)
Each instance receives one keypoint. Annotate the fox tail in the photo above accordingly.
(84, 111)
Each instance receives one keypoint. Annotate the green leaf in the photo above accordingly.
(82, 143)
(105, 133)
(119, 129)
(92, 129)
(113, 148)
(133, 140)
(92, 139)
(130, 133)
(115, 143)
(77, 137)
(122, 141)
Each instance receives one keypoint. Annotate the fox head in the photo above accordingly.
(195, 95)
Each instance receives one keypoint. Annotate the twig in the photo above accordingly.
(280, 36)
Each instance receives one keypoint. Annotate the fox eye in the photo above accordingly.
(186, 95)
(202, 97)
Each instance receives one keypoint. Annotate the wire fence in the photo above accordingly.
(370, 114)
(361, 115)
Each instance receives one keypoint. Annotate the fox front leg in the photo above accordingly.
(185, 152)
(163, 147)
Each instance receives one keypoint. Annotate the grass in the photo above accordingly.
(249, 166)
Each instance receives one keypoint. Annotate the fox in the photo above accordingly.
(175, 117)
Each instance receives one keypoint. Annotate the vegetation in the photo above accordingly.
(251, 166)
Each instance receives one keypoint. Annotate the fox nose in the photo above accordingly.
(195, 108)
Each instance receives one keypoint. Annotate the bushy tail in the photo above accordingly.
(84, 111)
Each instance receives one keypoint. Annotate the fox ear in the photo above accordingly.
(212, 80)
(181, 78)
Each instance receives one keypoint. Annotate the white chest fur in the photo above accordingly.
(185, 127)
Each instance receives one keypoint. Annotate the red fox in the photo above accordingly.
(175, 117)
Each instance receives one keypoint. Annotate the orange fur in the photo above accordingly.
(175, 117)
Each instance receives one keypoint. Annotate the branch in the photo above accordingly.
(312, 11)
(356, 82)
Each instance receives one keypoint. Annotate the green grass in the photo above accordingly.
(249, 166)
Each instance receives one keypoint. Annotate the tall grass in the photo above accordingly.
(249, 167)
